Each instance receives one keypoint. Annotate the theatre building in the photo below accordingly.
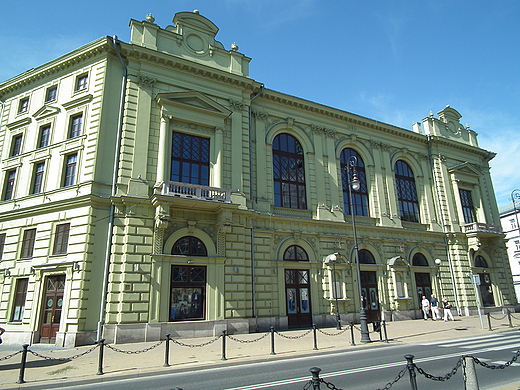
(156, 187)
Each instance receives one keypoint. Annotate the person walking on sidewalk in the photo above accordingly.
(434, 305)
(425, 304)
(447, 310)
(2, 331)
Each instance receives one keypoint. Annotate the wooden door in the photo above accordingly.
(52, 308)
(370, 295)
(297, 293)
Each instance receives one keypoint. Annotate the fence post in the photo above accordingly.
(315, 337)
(489, 320)
(509, 318)
(470, 374)
(411, 369)
(315, 371)
(224, 345)
(101, 352)
(384, 330)
(272, 341)
(167, 352)
(352, 333)
(22, 364)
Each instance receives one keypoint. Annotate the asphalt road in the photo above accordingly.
(365, 369)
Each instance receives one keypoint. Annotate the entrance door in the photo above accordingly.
(370, 295)
(297, 294)
(424, 286)
(52, 306)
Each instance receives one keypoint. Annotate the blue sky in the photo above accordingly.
(393, 61)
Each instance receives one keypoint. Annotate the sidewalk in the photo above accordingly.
(189, 353)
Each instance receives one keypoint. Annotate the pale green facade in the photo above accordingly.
(180, 80)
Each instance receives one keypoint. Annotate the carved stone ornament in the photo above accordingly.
(236, 105)
(146, 81)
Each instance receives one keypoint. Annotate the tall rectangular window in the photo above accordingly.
(69, 178)
(190, 159)
(76, 123)
(81, 82)
(51, 94)
(61, 239)
(2, 245)
(467, 206)
(29, 238)
(19, 299)
(44, 136)
(39, 170)
(16, 145)
(23, 106)
(10, 178)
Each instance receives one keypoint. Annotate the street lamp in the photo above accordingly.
(354, 183)
(332, 259)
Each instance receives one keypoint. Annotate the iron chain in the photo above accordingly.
(496, 367)
(440, 378)
(397, 378)
(498, 319)
(332, 334)
(329, 385)
(248, 341)
(293, 337)
(196, 345)
(10, 356)
(65, 359)
(134, 352)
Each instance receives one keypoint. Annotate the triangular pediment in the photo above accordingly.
(45, 112)
(466, 168)
(194, 101)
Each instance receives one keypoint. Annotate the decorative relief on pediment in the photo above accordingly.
(261, 115)
(190, 126)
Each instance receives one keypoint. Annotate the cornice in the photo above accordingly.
(142, 53)
(64, 62)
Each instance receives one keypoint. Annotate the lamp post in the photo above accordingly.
(354, 183)
(332, 259)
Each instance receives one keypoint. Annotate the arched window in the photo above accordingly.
(406, 192)
(288, 172)
(295, 253)
(360, 197)
(189, 246)
(366, 257)
(481, 262)
(419, 260)
(190, 159)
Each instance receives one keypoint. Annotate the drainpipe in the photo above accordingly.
(251, 198)
(108, 251)
(440, 218)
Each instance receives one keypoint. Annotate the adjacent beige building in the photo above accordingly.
(154, 187)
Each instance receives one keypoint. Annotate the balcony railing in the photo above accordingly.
(193, 191)
(476, 227)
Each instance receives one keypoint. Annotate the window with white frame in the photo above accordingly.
(81, 82)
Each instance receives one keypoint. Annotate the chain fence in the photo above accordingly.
(412, 368)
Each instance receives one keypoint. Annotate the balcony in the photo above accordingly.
(193, 191)
(476, 227)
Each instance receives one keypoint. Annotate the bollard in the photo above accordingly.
(22, 364)
(384, 330)
(101, 352)
(167, 352)
(315, 371)
(470, 374)
(411, 369)
(352, 333)
(509, 318)
(315, 337)
(272, 341)
(489, 320)
(224, 345)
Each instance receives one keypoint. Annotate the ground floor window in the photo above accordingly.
(188, 292)
(19, 300)
(486, 290)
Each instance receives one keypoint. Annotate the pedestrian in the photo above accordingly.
(425, 304)
(2, 331)
(447, 310)
(434, 304)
